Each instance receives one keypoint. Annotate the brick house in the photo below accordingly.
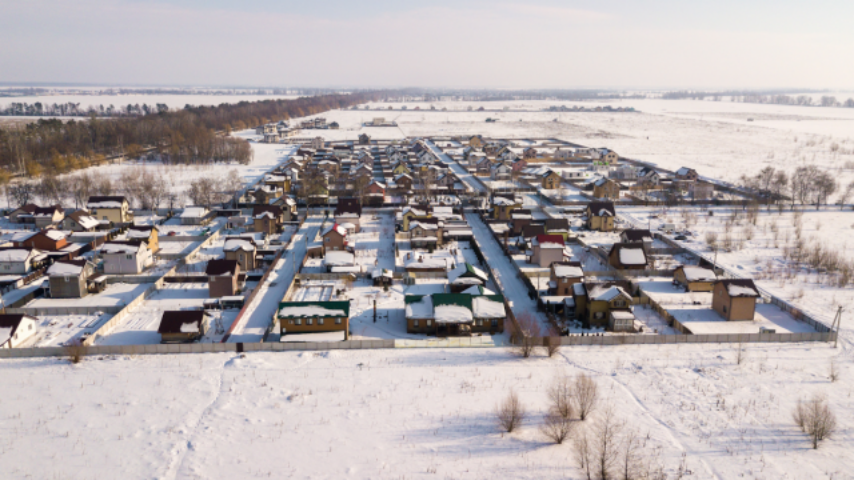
(735, 299)
(223, 278)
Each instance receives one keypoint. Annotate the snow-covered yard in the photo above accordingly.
(414, 413)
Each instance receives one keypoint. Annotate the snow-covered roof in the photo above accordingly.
(104, 204)
(337, 258)
(63, 269)
(194, 212)
(487, 308)
(235, 244)
(122, 248)
(503, 201)
(16, 255)
(455, 275)
(424, 225)
(427, 261)
(562, 271)
(138, 233)
(87, 221)
(338, 228)
(622, 315)
(22, 236)
(698, 274)
(740, 287)
(683, 171)
(55, 235)
(265, 215)
(453, 314)
(190, 327)
(605, 293)
(478, 290)
(632, 256)
(420, 309)
(310, 311)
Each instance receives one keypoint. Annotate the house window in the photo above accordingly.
(320, 321)
(291, 321)
(495, 322)
(299, 321)
(129, 257)
(480, 323)
(415, 323)
(724, 308)
(309, 321)
(429, 323)
(599, 315)
(338, 321)
(326, 240)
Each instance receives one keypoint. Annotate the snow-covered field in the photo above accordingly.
(414, 413)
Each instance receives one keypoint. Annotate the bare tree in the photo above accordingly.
(583, 450)
(605, 441)
(845, 195)
(825, 185)
(560, 396)
(527, 332)
(552, 342)
(21, 194)
(510, 413)
(556, 427)
(630, 455)
(833, 370)
(740, 353)
(585, 396)
(815, 418)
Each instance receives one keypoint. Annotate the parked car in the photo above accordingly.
(680, 237)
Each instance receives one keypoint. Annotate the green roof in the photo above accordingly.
(313, 309)
(461, 299)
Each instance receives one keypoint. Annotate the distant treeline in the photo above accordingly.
(760, 97)
(191, 135)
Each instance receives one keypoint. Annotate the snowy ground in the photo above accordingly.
(762, 255)
(120, 101)
(413, 413)
(117, 294)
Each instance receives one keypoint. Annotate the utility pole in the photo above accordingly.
(837, 322)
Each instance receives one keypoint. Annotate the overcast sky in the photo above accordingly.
(460, 43)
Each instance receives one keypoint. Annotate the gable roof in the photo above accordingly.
(739, 287)
(67, 268)
(105, 201)
(29, 208)
(694, 273)
(336, 228)
(601, 209)
(9, 325)
(17, 254)
(221, 267)
(314, 309)
(548, 241)
(557, 224)
(181, 321)
(629, 254)
(84, 219)
(467, 270)
(637, 235)
(259, 211)
(233, 244)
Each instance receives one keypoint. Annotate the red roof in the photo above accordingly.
(550, 239)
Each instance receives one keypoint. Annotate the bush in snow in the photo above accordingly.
(510, 413)
(815, 418)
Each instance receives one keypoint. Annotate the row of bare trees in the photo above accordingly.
(808, 184)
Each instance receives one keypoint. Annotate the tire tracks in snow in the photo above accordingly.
(671, 434)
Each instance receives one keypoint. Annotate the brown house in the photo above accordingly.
(735, 299)
(47, 240)
(694, 278)
(600, 216)
(563, 276)
(627, 256)
(223, 277)
(403, 182)
(69, 278)
(551, 180)
(47, 216)
(334, 238)
(242, 250)
(299, 318)
(80, 221)
(24, 213)
(267, 218)
(183, 326)
(606, 188)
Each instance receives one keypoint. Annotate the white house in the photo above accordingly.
(16, 329)
(193, 215)
(18, 260)
(125, 258)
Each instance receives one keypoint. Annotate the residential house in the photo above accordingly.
(46, 240)
(305, 318)
(16, 329)
(606, 188)
(223, 278)
(267, 219)
(111, 208)
(595, 301)
(600, 216)
(341, 262)
(289, 208)
(403, 182)
(282, 182)
(701, 191)
(636, 235)
(550, 180)
(125, 257)
(334, 238)
(454, 314)
(349, 212)
(425, 232)
(649, 176)
(735, 299)
(462, 277)
(503, 207)
(317, 142)
(68, 278)
(499, 171)
(476, 141)
(242, 250)
(364, 139)
(23, 214)
(557, 226)
(146, 233)
(533, 230)
(520, 219)
(627, 256)
(563, 276)
(686, 174)
(694, 278)
(195, 216)
(413, 212)
(48, 216)
(605, 156)
(546, 250)
(20, 260)
(183, 326)
(376, 189)
(80, 221)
